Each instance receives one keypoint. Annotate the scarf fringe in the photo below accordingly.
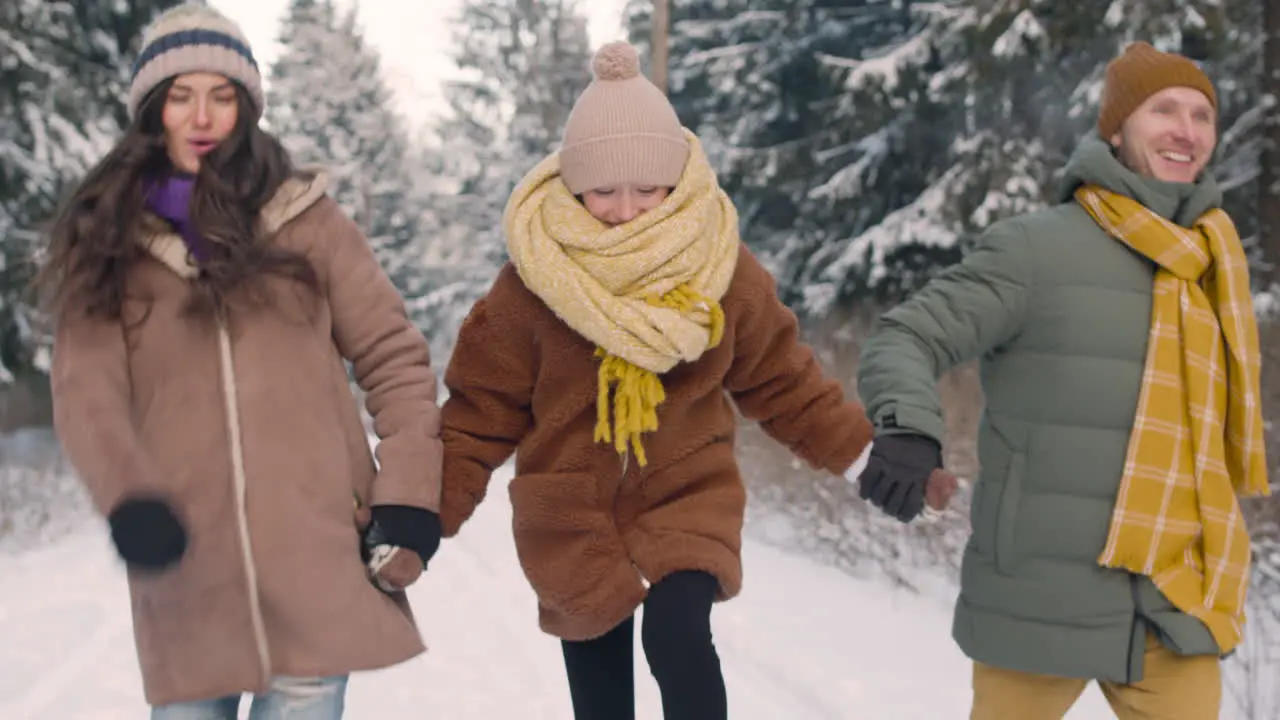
(637, 392)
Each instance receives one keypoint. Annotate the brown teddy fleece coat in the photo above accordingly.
(589, 531)
(249, 427)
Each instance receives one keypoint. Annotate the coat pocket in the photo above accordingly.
(1006, 541)
(981, 539)
(566, 539)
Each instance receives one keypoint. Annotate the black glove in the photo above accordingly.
(146, 533)
(407, 527)
(897, 473)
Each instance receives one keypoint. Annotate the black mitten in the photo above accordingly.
(146, 532)
(897, 473)
(407, 527)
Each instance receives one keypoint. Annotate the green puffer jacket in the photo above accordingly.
(1058, 312)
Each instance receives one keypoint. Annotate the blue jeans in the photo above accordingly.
(288, 698)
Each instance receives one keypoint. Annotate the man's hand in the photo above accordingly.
(898, 473)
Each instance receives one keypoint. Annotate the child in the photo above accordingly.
(605, 355)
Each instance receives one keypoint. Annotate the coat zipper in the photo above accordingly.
(622, 479)
(1133, 628)
(232, 406)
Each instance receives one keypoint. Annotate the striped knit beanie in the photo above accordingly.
(622, 129)
(1137, 74)
(193, 37)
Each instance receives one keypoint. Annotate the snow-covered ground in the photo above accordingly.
(802, 641)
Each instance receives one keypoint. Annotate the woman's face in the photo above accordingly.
(200, 111)
(618, 204)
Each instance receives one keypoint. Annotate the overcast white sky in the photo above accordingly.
(412, 35)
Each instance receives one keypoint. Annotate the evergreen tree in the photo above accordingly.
(331, 107)
(1018, 86)
(524, 62)
(786, 96)
(743, 76)
(64, 72)
(884, 123)
(865, 141)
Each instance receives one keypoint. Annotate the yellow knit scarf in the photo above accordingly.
(1197, 437)
(646, 292)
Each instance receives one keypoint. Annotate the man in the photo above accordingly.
(1120, 366)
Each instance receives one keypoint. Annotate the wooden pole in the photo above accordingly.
(660, 25)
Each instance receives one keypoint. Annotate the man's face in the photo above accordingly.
(1169, 137)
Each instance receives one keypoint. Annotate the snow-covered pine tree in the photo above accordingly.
(865, 140)
(1229, 37)
(64, 68)
(811, 124)
(522, 63)
(744, 77)
(1014, 85)
(883, 125)
(331, 106)
(1267, 151)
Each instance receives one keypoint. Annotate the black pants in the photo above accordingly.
(676, 636)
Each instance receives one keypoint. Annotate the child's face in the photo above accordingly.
(618, 204)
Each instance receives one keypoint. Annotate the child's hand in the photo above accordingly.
(393, 568)
(937, 494)
(396, 543)
(942, 485)
(411, 528)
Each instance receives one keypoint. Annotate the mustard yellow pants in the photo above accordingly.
(1173, 687)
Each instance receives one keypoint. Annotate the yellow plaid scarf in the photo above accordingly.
(1197, 438)
(645, 292)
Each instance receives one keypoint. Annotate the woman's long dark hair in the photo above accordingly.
(94, 240)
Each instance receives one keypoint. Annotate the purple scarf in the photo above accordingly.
(170, 198)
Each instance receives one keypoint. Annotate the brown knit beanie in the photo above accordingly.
(193, 37)
(622, 129)
(1140, 72)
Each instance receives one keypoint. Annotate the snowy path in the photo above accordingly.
(803, 641)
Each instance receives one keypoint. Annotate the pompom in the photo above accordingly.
(616, 61)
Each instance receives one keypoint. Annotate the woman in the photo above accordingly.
(604, 356)
(206, 297)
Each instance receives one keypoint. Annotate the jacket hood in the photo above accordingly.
(1094, 163)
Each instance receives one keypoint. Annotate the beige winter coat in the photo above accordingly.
(250, 427)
